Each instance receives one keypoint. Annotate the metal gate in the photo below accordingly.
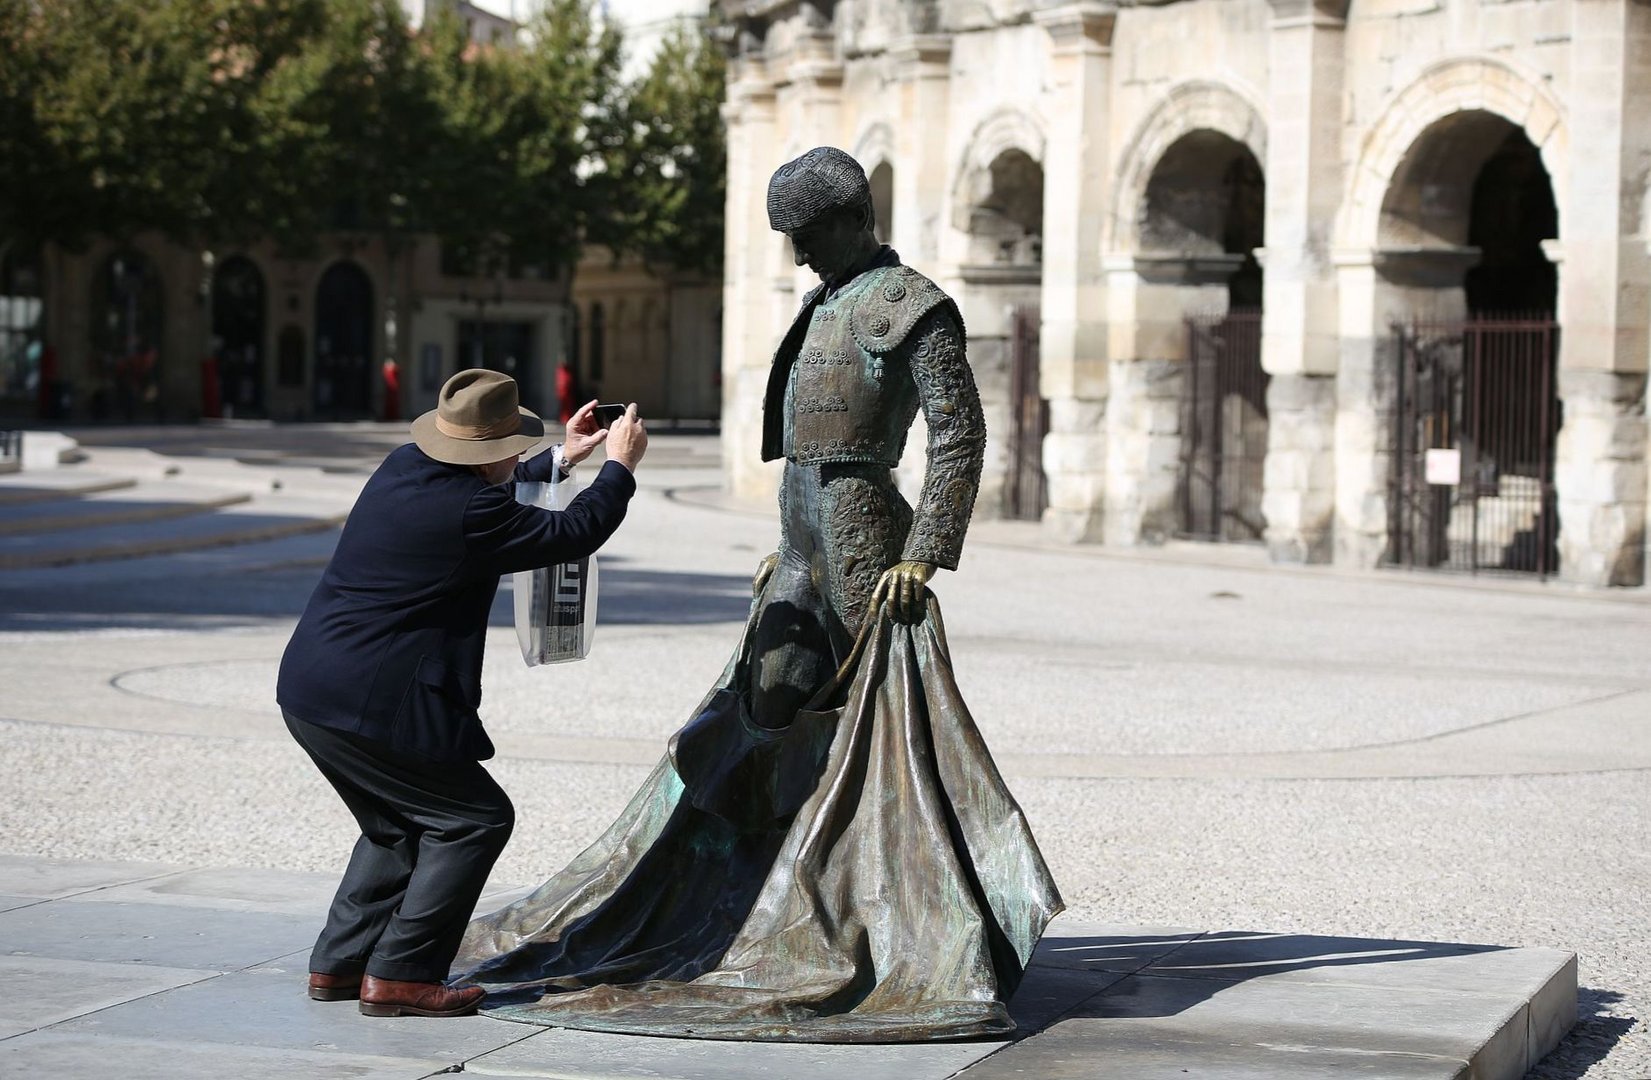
(1026, 495)
(1224, 428)
(1476, 414)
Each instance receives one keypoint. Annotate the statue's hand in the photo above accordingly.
(901, 588)
(765, 570)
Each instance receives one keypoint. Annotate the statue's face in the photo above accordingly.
(832, 245)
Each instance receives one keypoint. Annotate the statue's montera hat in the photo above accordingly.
(804, 190)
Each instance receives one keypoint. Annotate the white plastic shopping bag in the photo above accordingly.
(555, 605)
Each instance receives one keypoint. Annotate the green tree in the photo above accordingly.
(121, 116)
(668, 168)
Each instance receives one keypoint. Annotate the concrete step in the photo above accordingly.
(258, 519)
(129, 504)
(21, 489)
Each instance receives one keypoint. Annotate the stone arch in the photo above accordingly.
(874, 150)
(1005, 131)
(1465, 85)
(875, 145)
(1187, 108)
(345, 339)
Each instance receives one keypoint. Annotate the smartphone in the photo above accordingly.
(607, 414)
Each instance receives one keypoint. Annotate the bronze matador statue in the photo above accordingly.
(827, 852)
(873, 343)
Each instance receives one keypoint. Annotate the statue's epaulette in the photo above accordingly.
(886, 312)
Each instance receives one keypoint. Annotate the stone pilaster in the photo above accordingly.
(1077, 188)
(1299, 347)
(1604, 294)
(1602, 505)
(923, 66)
(748, 266)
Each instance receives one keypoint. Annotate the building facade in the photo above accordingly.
(1365, 282)
(651, 335)
(149, 330)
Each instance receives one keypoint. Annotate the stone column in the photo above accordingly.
(1299, 344)
(1604, 291)
(747, 323)
(1077, 187)
(923, 68)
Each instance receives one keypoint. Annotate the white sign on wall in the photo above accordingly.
(1444, 467)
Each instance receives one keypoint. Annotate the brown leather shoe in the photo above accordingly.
(324, 987)
(387, 997)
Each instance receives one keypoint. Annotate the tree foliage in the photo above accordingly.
(218, 120)
(668, 163)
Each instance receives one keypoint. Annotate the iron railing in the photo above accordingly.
(1476, 415)
(1224, 428)
(1026, 495)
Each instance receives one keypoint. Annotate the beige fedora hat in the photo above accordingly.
(478, 419)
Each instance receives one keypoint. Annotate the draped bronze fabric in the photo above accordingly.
(862, 875)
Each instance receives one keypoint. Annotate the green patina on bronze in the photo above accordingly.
(827, 852)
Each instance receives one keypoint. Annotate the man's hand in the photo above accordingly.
(584, 434)
(627, 438)
(901, 588)
(765, 570)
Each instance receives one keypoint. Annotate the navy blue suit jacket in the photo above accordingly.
(390, 645)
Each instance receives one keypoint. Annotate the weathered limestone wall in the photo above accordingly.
(1364, 225)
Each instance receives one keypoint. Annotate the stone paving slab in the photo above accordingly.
(61, 990)
(49, 879)
(48, 1055)
(163, 934)
(268, 1007)
(231, 889)
(200, 972)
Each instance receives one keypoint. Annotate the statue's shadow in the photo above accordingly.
(1145, 975)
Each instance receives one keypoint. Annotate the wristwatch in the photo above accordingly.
(564, 467)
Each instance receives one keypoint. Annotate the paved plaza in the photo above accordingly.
(1208, 749)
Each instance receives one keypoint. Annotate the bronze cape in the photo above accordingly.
(862, 875)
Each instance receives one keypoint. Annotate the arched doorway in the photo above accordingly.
(1202, 218)
(882, 200)
(1003, 279)
(1477, 404)
(128, 315)
(23, 376)
(344, 342)
(238, 335)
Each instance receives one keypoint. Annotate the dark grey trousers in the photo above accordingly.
(430, 834)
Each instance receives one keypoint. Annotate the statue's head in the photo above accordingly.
(822, 203)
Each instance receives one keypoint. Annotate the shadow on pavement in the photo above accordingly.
(1170, 974)
(1596, 1034)
(222, 596)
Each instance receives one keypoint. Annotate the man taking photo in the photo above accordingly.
(382, 678)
